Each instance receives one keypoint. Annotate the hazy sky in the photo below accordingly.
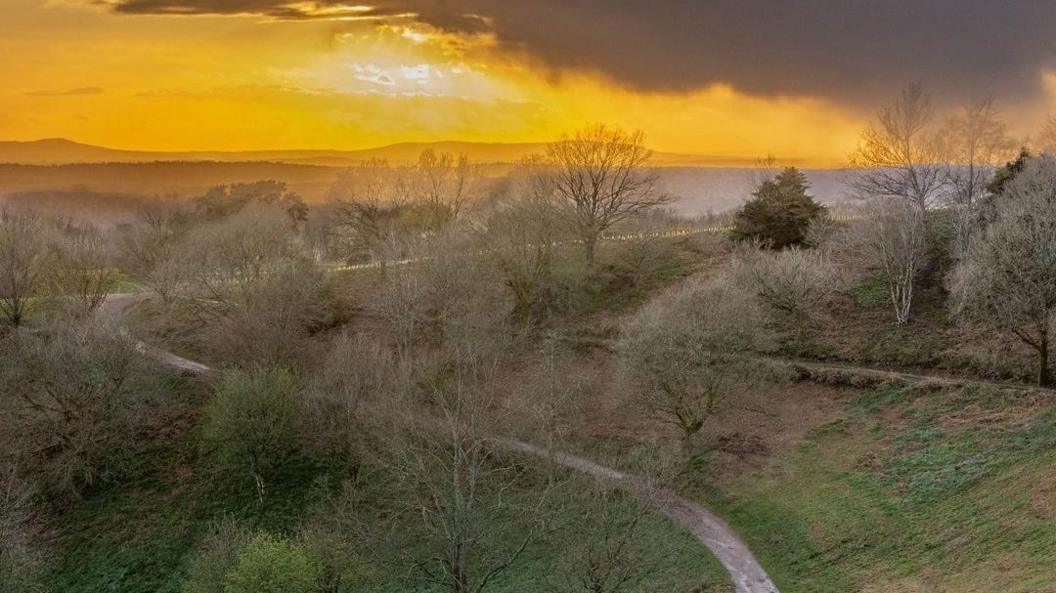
(745, 77)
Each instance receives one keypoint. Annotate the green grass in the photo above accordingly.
(139, 534)
(911, 489)
(871, 293)
(135, 537)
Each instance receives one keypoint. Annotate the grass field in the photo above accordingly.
(139, 536)
(906, 491)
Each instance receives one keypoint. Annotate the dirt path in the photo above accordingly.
(745, 572)
(816, 370)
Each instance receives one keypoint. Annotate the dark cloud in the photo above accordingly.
(84, 90)
(846, 49)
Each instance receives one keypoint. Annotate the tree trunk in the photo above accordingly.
(1044, 376)
(590, 243)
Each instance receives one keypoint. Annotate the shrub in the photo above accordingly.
(779, 213)
(251, 422)
(217, 555)
(269, 564)
(273, 320)
(796, 283)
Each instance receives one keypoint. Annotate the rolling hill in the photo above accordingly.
(58, 151)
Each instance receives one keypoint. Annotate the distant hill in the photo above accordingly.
(59, 151)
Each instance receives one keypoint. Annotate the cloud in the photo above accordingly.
(845, 49)
(84, 90)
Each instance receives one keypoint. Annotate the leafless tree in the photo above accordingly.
(689, 350)
(1008, 277)
(23, 254)
(598, 177)
(519, 234)
(460, 479)
(74, 385)
(445, 183)
(245, 290)
(368, 202)
(223, 260)
(455, 343)
(890, 240)
(355, 384)
(459, 497)
(973, 142)
(149, 248)
(446, 296)
(898, 156)
(80, 271)
(609, 560)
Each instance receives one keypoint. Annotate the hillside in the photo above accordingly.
(56, 151)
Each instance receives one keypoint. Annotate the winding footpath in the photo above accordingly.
(745, 571)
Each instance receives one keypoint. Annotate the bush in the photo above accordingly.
(272, 565)
(251, 422)
(796, 283)
(217, 555)
(690, 349)
(780, 212)
(231, 559)
(272, 322)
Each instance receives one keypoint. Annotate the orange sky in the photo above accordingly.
(74, 69)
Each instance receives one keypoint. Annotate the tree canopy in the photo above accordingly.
(780, 211)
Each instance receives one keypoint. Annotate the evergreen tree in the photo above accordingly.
(779, 212)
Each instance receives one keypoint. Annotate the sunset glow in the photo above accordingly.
(77, 70)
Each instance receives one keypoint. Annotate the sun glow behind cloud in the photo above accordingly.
(246, 82)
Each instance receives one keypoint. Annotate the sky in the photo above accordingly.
(795, 79)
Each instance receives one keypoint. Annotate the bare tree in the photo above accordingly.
(221, 263)
(22, 262)
(368, 204)
(456, 341)
(459, 497)
(519, 233)
(598, 177)
(890, 240)
(1008, 278)
(445, 183)
(74, 385)
(149, 248)
(897, 155)
(80, 271)
(609, 560)
(689, 350)
(973, 141)
(355, 383)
